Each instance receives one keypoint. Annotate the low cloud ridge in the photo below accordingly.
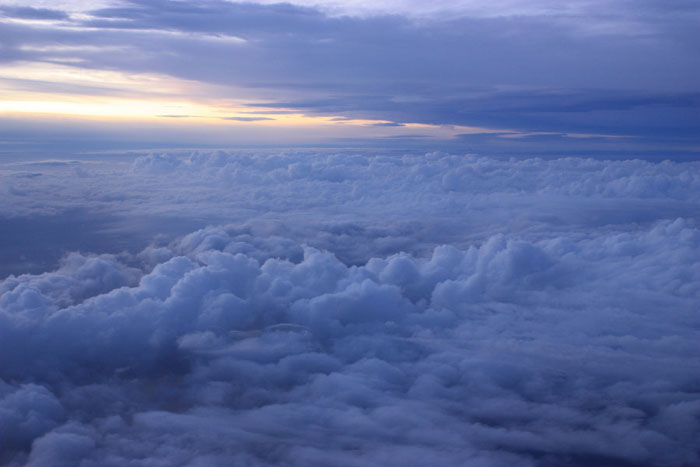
(558, 351)
(354, 309)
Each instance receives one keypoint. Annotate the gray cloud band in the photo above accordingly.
(546, 73)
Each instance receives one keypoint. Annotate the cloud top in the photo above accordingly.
(243, 343)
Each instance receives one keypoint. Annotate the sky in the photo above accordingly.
(358, 234)
(603, 77)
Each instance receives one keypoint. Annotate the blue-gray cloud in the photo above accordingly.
(358, 309)
(23, 12)
(388, 124)
(530, 73)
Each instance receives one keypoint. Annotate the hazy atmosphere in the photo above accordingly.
(349, 233)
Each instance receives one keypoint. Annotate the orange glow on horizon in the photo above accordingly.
(178, 112)
(60, 90)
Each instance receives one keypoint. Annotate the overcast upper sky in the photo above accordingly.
(495, 76)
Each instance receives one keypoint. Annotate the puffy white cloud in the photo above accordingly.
(301, 334)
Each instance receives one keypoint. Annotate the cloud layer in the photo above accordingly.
(624, 69)
(532, 335)
(355, 205)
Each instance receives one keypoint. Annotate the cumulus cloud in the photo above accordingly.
(298, 337)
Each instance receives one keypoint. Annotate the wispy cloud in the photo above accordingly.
(25, 12)
(388, 124)
(247, 119)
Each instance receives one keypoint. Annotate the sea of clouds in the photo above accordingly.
(357, 309)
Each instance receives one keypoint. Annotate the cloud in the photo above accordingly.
(360, 309)
(356, 205)
(247, 119)
(23, 12)
(342, 307)
(532, 69)
(388, 124)
(465, 354)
